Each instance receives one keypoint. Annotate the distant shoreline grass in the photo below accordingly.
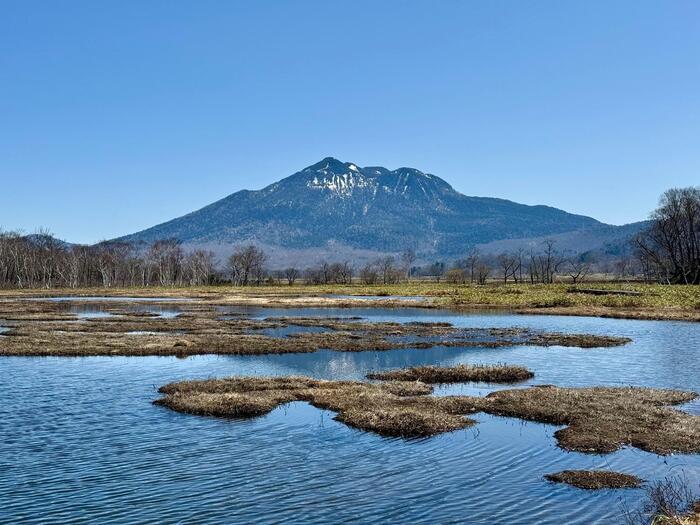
(646, 301)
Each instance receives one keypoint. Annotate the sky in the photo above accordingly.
(118, 115)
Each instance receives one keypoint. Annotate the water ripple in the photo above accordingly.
(80, 441)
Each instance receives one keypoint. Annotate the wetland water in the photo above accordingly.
(95, 311)
(80, 440)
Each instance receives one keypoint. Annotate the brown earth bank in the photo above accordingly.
(49, 328)
(595, 479)
(598, 420)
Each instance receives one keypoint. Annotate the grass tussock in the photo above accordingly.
(595, 479)
(457, 374)
(603, 419)
(391, 409)
(577, 340)
(598, 420)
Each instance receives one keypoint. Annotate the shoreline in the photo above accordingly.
(513, 299)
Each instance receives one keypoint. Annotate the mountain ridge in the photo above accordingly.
(365, 208)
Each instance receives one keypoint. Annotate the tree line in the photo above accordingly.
(41, 261)
(668, 251)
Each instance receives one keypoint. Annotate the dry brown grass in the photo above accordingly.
(603, 419)
(577, 340)
(387, 409)
(595, 479)
(600, 420)
(690, 518)
(457, 374)
(619, 312)
(649, 302)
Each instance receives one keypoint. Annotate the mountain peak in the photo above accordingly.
(329, 165)
(410, 171)
(337, 177)
(341, 178)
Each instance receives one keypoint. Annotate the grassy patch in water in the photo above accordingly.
(595, 479)
(599, 420)
(604, 419)
(390, 409)
(457, 374)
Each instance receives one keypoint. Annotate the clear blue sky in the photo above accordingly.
(117, 115)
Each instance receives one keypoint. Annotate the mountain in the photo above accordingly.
(46, 239)
(335, 207)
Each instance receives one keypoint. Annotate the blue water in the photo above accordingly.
(81, 442)
(290, 330)
(97, 311)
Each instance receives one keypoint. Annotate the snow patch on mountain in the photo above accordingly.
(339, 184)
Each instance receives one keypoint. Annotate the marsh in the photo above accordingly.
(87, 425)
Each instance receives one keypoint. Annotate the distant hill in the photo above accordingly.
(602, 240)
(335, 208)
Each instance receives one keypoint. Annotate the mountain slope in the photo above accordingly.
(369, 208)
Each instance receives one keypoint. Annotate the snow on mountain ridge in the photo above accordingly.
(341, 184)
(342, 178)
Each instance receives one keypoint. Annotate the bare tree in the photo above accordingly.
(482, 272)
(166, 257)
(199, 267)
(369, 274)
(622, 268)
(542, 267)
(387, 271)
(672, 242)
(436, 270)
(508, 264)
(327, 273)
(551, 261)
(340, 273)
(247, 265)
(473, 258)
(408, 257)
(577, 269)
(291, 274)
(518, 270)
(455, 276)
